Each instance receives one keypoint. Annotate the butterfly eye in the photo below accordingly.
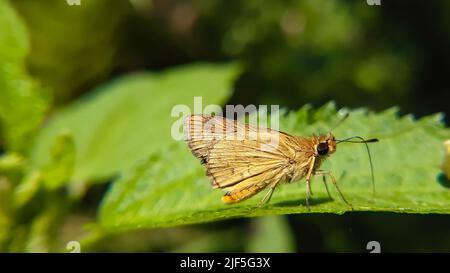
(322, 148)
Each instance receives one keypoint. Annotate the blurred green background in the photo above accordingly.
(291, 53)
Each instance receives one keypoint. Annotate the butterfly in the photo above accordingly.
(243, 159)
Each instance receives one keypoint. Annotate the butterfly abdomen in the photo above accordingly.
(241, 195)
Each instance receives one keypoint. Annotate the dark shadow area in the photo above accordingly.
(302, 202)
(352, 231)
(443, 181)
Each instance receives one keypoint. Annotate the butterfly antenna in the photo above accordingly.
(362, 140)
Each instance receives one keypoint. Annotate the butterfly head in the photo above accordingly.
(326, 145)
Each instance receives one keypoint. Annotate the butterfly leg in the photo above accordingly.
(333, 179)
(310, 189)
(308, 194)
(266, 197)
(308, 180)
(325, 183)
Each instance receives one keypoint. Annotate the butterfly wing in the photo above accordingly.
(239, 158)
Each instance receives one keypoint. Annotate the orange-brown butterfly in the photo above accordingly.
(243, 159)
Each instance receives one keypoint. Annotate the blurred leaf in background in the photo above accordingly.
(296, 52)
(23, 101)
(32, 201)
(271, 234)
(310, 51)
(130, 118)
(446, 163)
(74, 47)
(62, 163)
(23, 104)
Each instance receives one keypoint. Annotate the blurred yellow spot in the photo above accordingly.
(228, 199)
(446, 164)
(292, 23)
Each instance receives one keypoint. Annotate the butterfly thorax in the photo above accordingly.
(307, 150)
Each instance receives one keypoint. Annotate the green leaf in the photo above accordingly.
(54, 175)
(60, 169)
(27, 188)
(446, 163)
(69, 65)
(39, 236)
(22, 104)
(5, 212)
(130, 118)
(171, 188)
(11, 162)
